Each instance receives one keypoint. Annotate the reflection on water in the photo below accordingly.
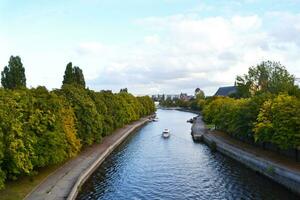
(146, 166)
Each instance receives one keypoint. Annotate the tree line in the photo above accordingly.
(39, 128)
(265, 109)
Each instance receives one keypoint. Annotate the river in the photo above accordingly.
(146, 166)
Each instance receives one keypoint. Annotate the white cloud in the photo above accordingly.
(152, 40)
(93, 48)
(179, 53)
(246, 23)
(187, 51)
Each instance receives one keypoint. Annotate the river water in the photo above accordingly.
(146, 166)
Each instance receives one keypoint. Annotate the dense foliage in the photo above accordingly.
(35, 130)
(266, 118)
(266, 77)
(278, 122)
(270, 113)
(39, 128)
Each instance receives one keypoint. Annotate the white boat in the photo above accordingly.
(166, 133)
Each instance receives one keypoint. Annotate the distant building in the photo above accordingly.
(172, 96)
(185, 97)
(226, 91)
(163, 97)
(158, 97)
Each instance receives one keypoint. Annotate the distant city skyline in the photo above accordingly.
(149, 47)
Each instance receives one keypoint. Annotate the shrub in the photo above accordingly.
(278, 122)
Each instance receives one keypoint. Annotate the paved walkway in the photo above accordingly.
(60, 183)
(258, 152)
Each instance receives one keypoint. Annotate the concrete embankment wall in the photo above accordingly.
(87, 173)
(281, 174)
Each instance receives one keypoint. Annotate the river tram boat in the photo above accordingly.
(166, 133)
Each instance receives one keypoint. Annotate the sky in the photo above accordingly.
(149, 47)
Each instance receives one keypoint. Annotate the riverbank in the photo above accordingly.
(65, 182)
(278, 168)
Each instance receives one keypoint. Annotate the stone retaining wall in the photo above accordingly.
(278, 173)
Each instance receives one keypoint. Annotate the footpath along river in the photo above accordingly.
(146, 166)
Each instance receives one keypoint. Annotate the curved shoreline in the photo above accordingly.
(65, 182)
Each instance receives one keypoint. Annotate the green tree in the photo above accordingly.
(235, 116)
(278, 122)
(13, 75)
(89, 121)
(2, 142)
(124, 90)
(73, 75)
(199, 102)
(102, 102)
(266, 77)
(39, 128)
(52, 122)
(199, 94)
(78, 76)
(19, 144)
(68, 77)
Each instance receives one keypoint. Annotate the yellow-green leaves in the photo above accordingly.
(263, 118)
(40, 128)
(278, 122)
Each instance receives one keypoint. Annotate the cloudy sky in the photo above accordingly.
(154, 46)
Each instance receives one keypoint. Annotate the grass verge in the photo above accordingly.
(17, 190)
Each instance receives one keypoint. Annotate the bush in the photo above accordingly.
(263, 118)
(34, 131)
(278, 122)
